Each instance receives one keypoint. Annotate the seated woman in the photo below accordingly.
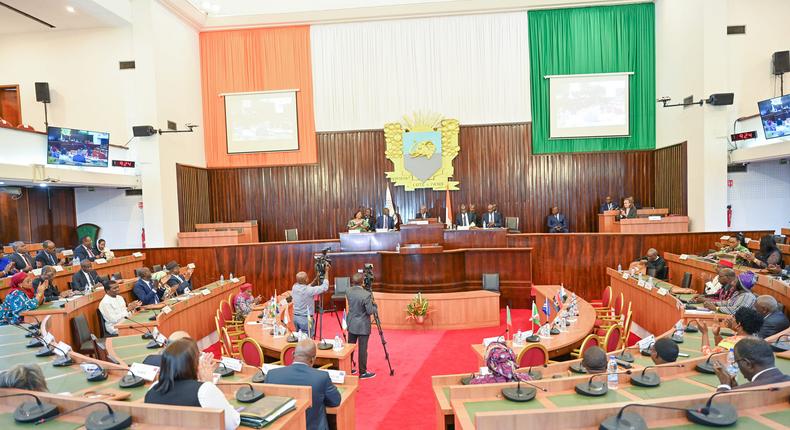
(739, 294)
(7, 267)
(731, 246)
(244, 301)
(21, 298)
(746, 322)
(185, 377)
(501, 362)
(24, 377)
(769, 254)
(358, 223)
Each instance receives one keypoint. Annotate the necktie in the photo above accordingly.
(88, 277)
(90, 253)
(51, 258)
(465, 220)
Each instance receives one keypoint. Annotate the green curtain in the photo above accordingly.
(601, 39)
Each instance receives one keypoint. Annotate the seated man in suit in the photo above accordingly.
(774, 320)
(465, 218)
(756, 361)
(608, 205)
(557, 222)
(48, 256)
(368, 216)
(594, 360)
(86, 279)
(776, 270)
(301, 372)
(655, 265)
(423, 213)
(664, 350)
(21, 259)
(182, 283)
(51, 291)
(146, 290)
(156, 359)
(385, 220)
(473, 211)
(7, 267)
(85, 250)
(492, 218)
(113, 307)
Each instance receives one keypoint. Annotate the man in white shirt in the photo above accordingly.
(114, 308)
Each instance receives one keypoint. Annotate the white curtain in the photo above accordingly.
(473, 68)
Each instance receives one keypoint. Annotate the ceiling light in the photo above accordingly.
(70, 9)
(42, 185)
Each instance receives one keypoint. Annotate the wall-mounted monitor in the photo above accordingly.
(775, 114)
(72, 147)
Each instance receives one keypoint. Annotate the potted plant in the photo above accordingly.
(417, 309)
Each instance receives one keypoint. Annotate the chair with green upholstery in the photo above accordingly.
(88, 229)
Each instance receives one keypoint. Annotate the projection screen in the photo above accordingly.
(594, 105)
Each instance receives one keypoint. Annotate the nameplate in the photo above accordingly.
(646, 343)
(684, 256)
(58, 268)
(67, 253)
(382, 230)
(353, 232)
(489, 340)
(191, 266)
(336, 376)
(137, 254)
(267, 367)
(89, 368)
(626, 275)
(167, 309)
(662, 291)
(100, 261)
(641, 283)
(144, 371)
(654, 218)
(648, 286)
(36, 272)
(232, 363)
(62, 349)
(747, 240)
(48, 338)
(206, 291)
(724, 238)
(463, 227)
(484, 371)
(234, 280)
(420, 222)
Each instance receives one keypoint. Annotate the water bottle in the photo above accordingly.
(517, 339)
(221, 279)
(338, 346)
(619, 268)
(397, 247)
(231, 277)
(75, 261)
(612, 379)
(732, 365)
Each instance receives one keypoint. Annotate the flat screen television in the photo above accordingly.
(775, 114)
(72, 147)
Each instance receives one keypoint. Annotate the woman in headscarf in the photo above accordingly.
(501, 362)
(745, 323)
(244, 301)
(21, 298)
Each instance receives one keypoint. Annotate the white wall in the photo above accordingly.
(760, 197)
(118, 215)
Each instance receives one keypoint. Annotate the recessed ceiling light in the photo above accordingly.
(70, 9)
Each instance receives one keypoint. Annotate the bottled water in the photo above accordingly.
(397, 247)
(221, 279)
(338, 345)
(231, 277)
(612, 379)
(75, 261)
(732, 365)
(517, 338)
(620, 268)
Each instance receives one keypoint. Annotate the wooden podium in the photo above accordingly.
(608, 223)
(248, 229)
(431, 233)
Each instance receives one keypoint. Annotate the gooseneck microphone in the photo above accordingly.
(779, 346)
(706, 366)
(259, 377)
(596, 389)
(518, 394)
(146, 334)
(536, 375)
(623, 421)
(101, 420)
(153, 344)
(247, 393)
(226, 371)
(720, 414)
(29, 412)
(651, 379)
(129, 380)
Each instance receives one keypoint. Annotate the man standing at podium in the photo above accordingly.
(465, 218)
(492, 218)
(608, 206)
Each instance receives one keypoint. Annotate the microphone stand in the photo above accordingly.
(110, 420)
(146, 334)
(706, 367)
(596, 389)
(651, 379)
(517, 394)
(719, 415)
(29, 412)
(779, 346)
(623, 421)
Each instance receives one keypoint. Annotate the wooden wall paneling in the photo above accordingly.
(670, 178)
(62, 217)
(193, 197)
(9, 218)
(39, 214)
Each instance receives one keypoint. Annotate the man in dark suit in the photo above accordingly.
(182, 283)
(368, 215)
(48, 256)
(609, 205)
(301, 372)
(465, 218)
(385, 220)
(146, 290)
(656, 266)
(423, 213)
(557, 222)
(360, 308)
(774, 320)
(51, 291)
(755, 360)
(473, 211)
(85, 250)
(21, 259)
(492, 218)
(86, 278)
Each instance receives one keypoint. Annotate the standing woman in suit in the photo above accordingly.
(628, 210)
(185, 379)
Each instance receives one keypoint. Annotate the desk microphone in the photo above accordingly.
(36, 326)
(595, 389)
(626, 356)
(129, 380)
(47, 349)
(706, 366)
(100, 420)
(780, 346)
(536, 375)
(623, 421)
(247, 393)
(29, 412)
(146, 334)
(650, 379)
(518, 394)
(153, 317)
(153, 344)
(719, 415)
(35, 335)
(227, 371)
(260, 376)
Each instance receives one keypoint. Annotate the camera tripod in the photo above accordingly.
(369, 286)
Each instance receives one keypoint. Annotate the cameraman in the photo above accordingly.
(360, 308)
(304, 302)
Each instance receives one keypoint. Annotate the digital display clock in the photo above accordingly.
(744, 135)
(122, 163)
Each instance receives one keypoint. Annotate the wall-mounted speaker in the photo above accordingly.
(143, 131)
(721, 99)
(42, 92)
(781, 62)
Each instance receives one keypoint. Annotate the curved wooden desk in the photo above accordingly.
(467, 309)
(562, 343)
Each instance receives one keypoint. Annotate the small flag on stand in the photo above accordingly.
(547, 308)
(343, 323)
(508, 321)
(535, 316)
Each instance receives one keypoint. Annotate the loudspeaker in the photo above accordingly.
(721, 99)
(781, 62)
(42, 92)
(143, 131)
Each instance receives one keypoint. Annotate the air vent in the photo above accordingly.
(736, 29)
(737, 168)
(126, 65)
(134, 192)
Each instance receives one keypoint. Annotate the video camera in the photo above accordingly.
(321, 263)
(367, 272)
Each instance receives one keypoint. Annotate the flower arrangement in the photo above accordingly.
(417, 309)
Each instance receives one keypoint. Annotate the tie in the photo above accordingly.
(156, 296)
(90, 253)
(465, 220)
(558, 217)
(51, 258)
(88, 277)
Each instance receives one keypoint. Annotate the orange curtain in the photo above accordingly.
(256, 60)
